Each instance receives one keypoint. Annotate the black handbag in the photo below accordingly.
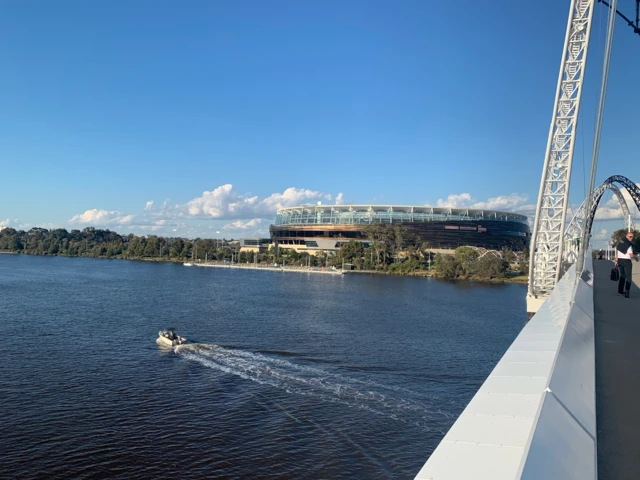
(615, 274)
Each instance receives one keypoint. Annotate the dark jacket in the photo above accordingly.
(623, 247)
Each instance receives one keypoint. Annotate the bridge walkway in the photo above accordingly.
(617, 346)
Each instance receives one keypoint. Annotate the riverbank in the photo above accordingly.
(521, 279)
(328, 271)
(323, 271)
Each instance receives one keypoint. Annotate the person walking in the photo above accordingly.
(624, 255)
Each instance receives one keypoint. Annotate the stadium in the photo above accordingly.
(328, 227)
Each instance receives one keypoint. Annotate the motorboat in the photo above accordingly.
(188, 264)
(170, 338)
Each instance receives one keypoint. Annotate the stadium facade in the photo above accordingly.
(327, 227)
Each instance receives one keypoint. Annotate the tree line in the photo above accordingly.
(395, 249)
(467, 262)
(391, 248)
(98, 243)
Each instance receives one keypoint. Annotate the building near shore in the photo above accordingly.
(327, 227)
(257, 245)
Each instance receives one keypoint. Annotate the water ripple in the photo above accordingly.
(309, 377)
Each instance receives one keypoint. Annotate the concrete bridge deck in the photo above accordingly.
(617, 345)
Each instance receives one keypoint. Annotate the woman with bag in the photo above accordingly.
(624, 254)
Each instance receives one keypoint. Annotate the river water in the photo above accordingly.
(294, 376)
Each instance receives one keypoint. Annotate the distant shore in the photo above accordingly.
(329, 271)
(434, 274)
(320, 270)
(521, 279)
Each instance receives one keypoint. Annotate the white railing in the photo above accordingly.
(534, 416)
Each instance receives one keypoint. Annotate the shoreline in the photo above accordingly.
(273, 269)
(518, 280)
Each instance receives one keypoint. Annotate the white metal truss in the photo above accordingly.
(483, 252)
(573, 233)
(547, 239)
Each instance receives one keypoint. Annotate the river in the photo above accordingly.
(295, 376)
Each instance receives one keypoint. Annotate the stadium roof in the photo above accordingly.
(306, 214)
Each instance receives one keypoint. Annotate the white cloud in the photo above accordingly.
(455, 201)
(225, 203)
(529, 210)
(222, 203)
(240, 225)
(101, 218)
(601, 235)
(608, 213)
(611, 210)
(502, 202)
(15, 223)
(510, 203)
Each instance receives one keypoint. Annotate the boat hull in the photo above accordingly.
(164, 341)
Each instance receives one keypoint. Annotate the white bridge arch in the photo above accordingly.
(582, 219)
(483, 252)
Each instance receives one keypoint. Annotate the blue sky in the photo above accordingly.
(191, 118)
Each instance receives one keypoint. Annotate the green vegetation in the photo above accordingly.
(393, 249)
(96, 243)
(469, 264)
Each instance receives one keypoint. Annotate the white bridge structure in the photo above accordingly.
(583, 221)
(547, 241)
(535, 415)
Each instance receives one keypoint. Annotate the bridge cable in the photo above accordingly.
(599, 223)
(597, 135)
(595, 113)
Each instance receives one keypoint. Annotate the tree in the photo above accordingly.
(399, 237)
(152, 249)
(447, 266)
(376, 233)
(352, 252)
(386, 240)
(223, 253)
(10, 240)
(492, 266)
(466, 257)
(207, 249)
(523, 268)
(245, 257)
(508, 256)
(175, 250)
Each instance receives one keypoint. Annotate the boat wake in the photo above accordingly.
(386, 400)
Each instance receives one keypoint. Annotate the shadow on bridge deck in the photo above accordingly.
(617, 343)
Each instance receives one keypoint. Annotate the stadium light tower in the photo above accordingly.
(548, 230)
